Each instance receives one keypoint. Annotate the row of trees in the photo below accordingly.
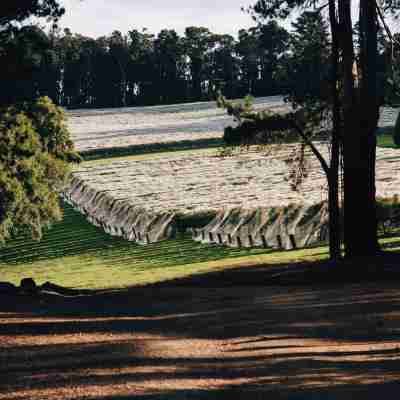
(142, 69)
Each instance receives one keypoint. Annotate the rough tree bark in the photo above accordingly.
(360, 115)
(333, 176)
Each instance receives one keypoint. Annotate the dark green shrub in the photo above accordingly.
(35, 150)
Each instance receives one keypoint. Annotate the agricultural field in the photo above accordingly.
(140, 126)
(141, 199)
(191, 183)
(75, 253)
(110, 128)
(181, 319)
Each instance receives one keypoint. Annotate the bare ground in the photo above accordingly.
(201, 339)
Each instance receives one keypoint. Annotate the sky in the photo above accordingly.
(96, 18)
(100, 17)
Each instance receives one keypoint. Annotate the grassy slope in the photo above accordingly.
(385, 139)
(75, 253)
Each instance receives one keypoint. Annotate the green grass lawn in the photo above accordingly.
(385, 139)
(77, 254)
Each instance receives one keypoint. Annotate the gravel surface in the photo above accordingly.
(311, 342)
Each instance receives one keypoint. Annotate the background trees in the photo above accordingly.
(139, 68)
(17, 11)
(35, 149)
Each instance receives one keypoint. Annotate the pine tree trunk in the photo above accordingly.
(360, 120)
(334, 216)
(333, 176)
(360, 225)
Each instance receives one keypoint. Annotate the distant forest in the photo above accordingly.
(140, 68)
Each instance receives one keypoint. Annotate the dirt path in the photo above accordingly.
(203, 343)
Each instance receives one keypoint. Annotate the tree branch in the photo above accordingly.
(313, 148)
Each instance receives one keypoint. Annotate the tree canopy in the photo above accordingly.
(354, 101)
(12, 11)
(35, 152)
(35, 147)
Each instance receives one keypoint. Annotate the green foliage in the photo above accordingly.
(309, 77)
(257, 127)
(237, 109)
(34, 153)
(198, 43)
(17, 10)
(29, 66)
(50, 123)
(139, 68)
(308, 92)
(262, 52)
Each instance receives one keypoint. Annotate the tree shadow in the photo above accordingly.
(284, 341)
(284, 375)
(341, 392)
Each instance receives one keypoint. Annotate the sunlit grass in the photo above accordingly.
(74, 253)
(385, 139)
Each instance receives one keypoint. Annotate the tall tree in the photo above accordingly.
(169, 54)
(198, 42)
(35, 151)
(273, 46)
(309, 56)
(224, 66)
(119, 52)
(35, 148)
(142, 76)
(29, 65)
(247, 49)
(355, 109)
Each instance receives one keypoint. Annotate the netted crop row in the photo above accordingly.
(110, 128)
(289, 227)
(119, 217)
(140, 200)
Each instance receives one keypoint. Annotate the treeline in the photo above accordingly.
(139, 68)
(142, 69)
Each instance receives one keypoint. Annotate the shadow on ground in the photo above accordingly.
(199, 339)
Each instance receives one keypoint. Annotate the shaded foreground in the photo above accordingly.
(196, 339)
